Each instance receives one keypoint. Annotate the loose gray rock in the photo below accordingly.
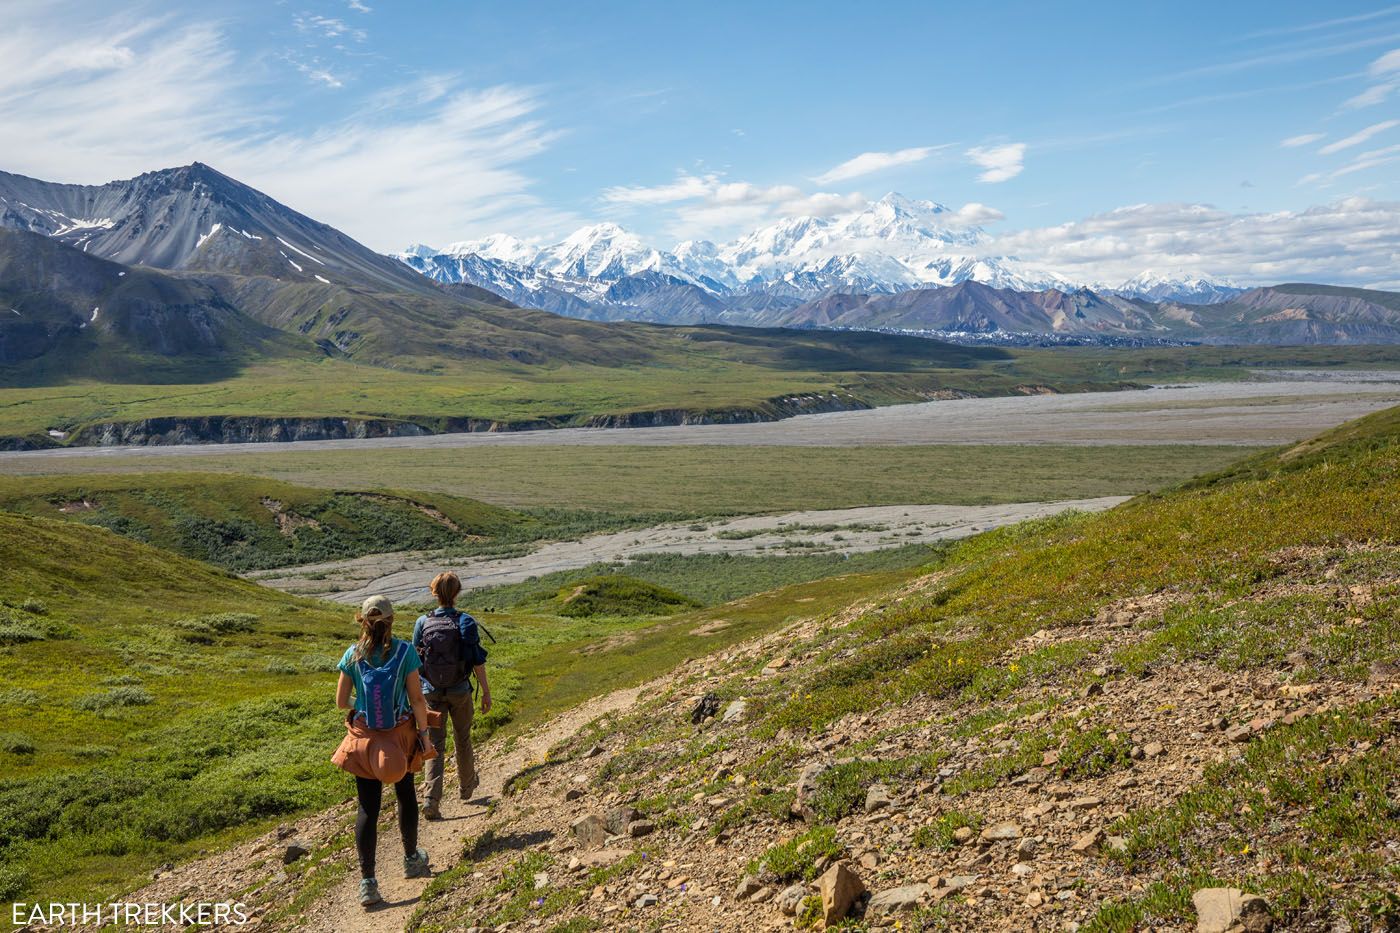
(618, 818)
(790, 899)
(646, 900)
(746, 888)
(1001, 832)
(294, 850)
(896, 900)
(735, 711)
(639, 828)
(877, 798)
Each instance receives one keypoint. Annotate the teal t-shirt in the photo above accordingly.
(351, 668)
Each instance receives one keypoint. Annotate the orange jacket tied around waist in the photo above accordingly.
(384, 754)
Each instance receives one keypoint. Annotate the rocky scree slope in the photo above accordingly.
(1180, 712)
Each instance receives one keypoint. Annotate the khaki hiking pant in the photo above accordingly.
(458, 707)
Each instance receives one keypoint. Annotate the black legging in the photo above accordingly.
(371, 794)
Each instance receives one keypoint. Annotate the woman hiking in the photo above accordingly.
(450, 644)
(386, 738)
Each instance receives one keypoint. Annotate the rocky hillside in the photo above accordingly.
(1182, 711)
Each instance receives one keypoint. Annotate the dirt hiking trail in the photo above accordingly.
(339, 910)
(277, 899)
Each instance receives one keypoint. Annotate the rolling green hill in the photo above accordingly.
(243, 523)
(1197, 689)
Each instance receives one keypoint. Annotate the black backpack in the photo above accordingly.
(444, 664)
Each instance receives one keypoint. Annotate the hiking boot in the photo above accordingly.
(416, 865)
(431, 810)
(369, 893)
(469, 792)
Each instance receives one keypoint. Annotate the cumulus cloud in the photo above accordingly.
(973, 214)
(1359, 137)
(869, 162)
(433, 160)
(1000, 163)
(1352, 240)
(708, 204)
(1293, 142)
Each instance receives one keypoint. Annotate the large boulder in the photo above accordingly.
(590, 831)
(838, 887)
(1230, 910)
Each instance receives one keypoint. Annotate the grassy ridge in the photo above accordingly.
(701, 480)
(243, 523)
(1253, 568)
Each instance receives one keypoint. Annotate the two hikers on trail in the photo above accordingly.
(397, 695)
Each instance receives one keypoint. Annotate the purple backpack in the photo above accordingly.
(381, 683)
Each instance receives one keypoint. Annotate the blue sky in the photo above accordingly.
(437, 121)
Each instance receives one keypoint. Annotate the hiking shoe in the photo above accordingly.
(369, 893)
(416, 865)
(431, 810)
(469, 792)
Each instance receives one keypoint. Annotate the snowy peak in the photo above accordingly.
(1184, 287)
(888, 246)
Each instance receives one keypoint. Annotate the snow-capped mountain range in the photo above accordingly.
(893, 245)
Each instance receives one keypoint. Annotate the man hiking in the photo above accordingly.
(449, 642)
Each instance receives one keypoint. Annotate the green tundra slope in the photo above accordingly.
(1085, 720)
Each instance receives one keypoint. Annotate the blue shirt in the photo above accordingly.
(351, 668)
(472, 650)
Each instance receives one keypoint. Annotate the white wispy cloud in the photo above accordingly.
(869, 162)
(999, 163)
(1351, 240)
(359, 7)
(703, 205)
(1359, 137)
(1304, 139)
(1325, 23)
(1389, 63)
(88, 100)
(1387, 70)
(328, 27)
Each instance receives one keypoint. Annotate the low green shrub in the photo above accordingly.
(116, 698)
(620, 595)
(19, 696)
(18, 630)
(797, 858)
(16, 743)
(221, 623)
(940, 833)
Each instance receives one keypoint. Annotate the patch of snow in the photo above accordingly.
(322, 278)
(212, 230)
(299, 250)
(15, 311)
(250, 235)
(120, 274)
(58, 434)
(71, 225)
(293, 262)
(94, 314)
